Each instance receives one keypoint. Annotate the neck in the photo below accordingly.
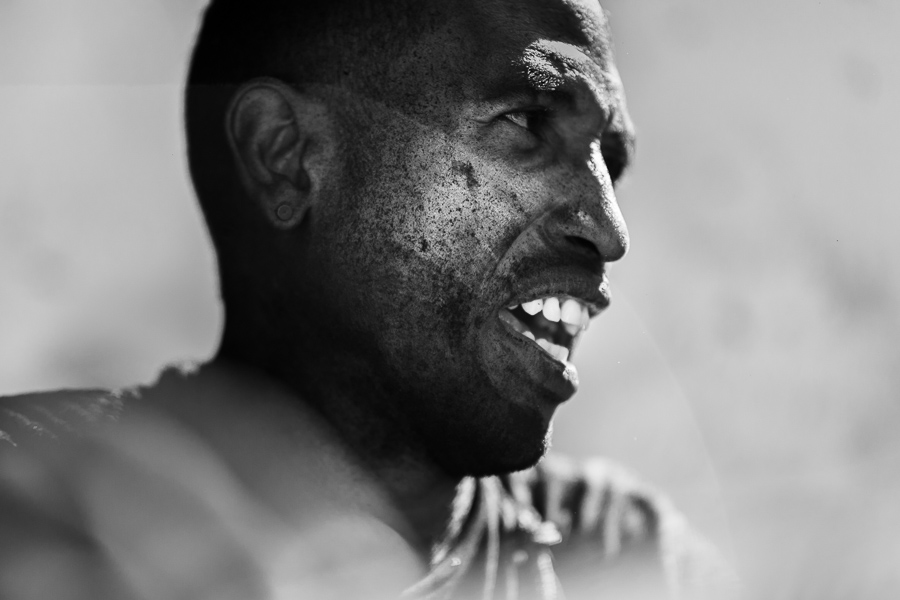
(383, 443)
(423, 494)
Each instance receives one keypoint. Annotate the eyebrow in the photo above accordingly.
(556, 72)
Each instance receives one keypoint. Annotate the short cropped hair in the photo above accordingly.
(342, 42)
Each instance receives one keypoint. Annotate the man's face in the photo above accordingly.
(458, 263)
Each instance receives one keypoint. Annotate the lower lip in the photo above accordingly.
(556, 379)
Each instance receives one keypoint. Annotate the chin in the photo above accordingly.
(494, 447)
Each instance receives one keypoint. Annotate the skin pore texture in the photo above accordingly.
(399, 223)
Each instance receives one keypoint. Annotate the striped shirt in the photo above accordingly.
(591, 528)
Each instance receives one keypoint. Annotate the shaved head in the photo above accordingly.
(385, 182)
(356, 44)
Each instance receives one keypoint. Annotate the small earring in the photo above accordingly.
(284, 212)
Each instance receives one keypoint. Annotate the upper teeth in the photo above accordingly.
(569, 310)
(533, 307)
(572, 314)
(551, 309)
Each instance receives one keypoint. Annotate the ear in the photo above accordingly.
(271, 129)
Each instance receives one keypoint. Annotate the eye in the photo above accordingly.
(530, 119)
(518, 118)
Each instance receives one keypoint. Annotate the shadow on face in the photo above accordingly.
(475, 177)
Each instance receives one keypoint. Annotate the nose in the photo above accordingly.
(587, 220)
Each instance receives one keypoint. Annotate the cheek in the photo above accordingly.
(462, 215)
(431, 226)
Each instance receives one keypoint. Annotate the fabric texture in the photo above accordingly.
(590, 528)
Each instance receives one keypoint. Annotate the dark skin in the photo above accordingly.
(401, 223)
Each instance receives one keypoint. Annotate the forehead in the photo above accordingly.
(504, 29)
(483, 49)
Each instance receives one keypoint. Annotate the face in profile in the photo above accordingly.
(464, 251)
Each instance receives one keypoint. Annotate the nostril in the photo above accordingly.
(583, 244)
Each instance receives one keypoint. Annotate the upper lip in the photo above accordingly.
(592, 291)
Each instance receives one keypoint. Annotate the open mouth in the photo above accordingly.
(553, 323)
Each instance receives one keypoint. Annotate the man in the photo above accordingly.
(412, 205)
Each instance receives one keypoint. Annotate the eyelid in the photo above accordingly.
(524, 114)
(518, 117)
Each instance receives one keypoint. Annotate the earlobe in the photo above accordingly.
(286, 209)
(285, 212)
(269, 144)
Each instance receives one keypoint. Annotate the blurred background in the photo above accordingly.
(749, 365)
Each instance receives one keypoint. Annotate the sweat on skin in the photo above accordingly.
(403, 250)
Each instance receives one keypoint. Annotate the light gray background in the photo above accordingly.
(749, 364)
